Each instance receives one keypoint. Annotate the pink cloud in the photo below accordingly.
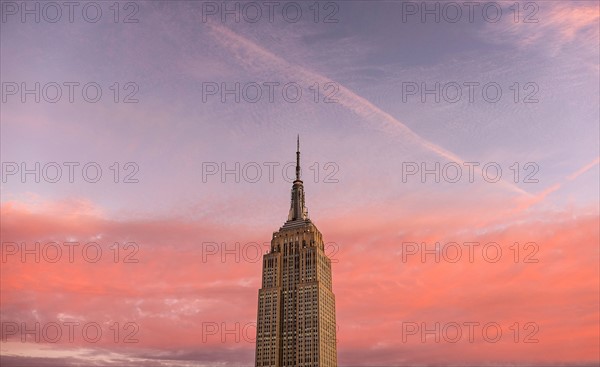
(176, 290)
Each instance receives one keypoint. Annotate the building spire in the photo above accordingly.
(298, 159)
(298, 209)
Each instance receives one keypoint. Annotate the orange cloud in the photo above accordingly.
(179, 292)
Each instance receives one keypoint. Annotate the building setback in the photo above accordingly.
(296, 306)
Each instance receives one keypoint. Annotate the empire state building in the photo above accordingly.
(296, 305)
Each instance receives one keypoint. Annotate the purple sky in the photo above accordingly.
(354, 153)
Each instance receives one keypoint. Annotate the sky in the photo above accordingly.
(450, 157)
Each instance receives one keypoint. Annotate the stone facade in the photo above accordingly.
(296, 306)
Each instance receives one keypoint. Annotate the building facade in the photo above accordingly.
(296, 306)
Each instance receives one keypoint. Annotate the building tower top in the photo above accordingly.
(298, 159)
(298, 210)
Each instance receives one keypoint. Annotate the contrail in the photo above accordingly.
(241, 47)
(583, 169)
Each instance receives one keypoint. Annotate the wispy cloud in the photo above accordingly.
(583, 169)
(251, 54)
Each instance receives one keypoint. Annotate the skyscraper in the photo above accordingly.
(296, 306)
